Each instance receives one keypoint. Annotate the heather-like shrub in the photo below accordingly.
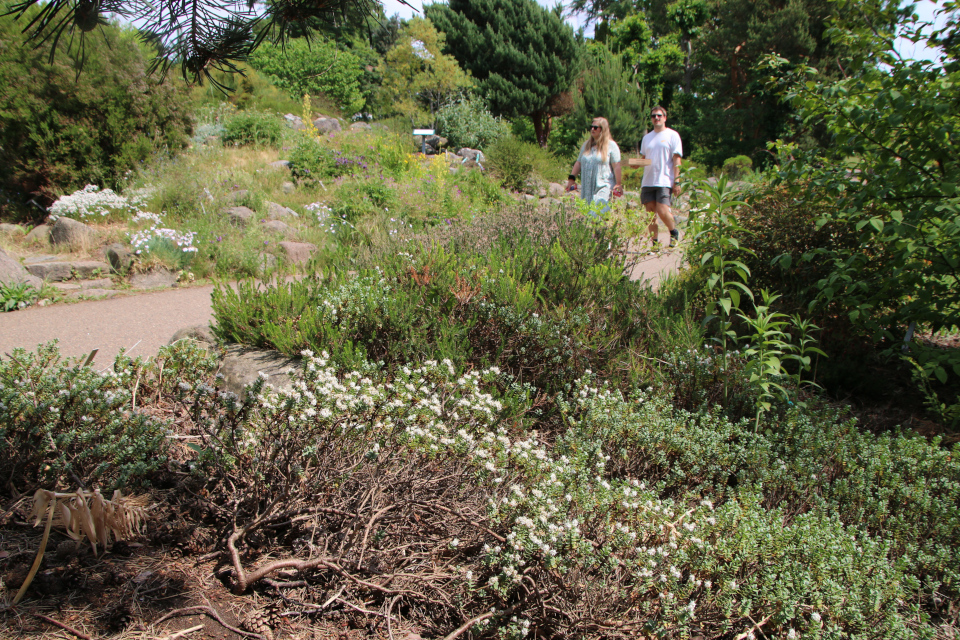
(60, 130)
(63, 423)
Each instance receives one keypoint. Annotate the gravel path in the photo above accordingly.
(140, 323)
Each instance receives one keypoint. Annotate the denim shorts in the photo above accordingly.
(659, 194)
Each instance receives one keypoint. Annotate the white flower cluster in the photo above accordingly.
(89, 201)
(141, 240)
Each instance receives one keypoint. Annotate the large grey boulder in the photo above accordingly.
(556, 189)
(279, 212)
(327, 125)
(298, 252)
(280, 164)
(437, 142)
(71, 233)
(119, 257)
(12, 272)
(11, 229)
(240, 216)
(360, 126)
(243, 365)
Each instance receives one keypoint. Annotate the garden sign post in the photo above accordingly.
(423, 133)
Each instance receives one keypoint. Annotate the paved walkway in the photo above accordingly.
(145, 322)
(140, 323)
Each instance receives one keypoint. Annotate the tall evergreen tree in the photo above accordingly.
(522, 55)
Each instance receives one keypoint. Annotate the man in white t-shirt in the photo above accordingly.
(660, 178)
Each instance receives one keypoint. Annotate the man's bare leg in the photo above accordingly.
(653, 227)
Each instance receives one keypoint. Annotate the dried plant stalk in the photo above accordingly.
(87, 514)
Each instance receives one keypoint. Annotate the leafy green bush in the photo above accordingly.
(253, 127)
(310, 160)
(17, 295)
(468, 123)
(315, 67)
(737, 167)
(65, 424)
(60, 131)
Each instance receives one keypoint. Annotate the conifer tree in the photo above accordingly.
(522, 55)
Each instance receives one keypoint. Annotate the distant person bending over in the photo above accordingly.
(598, 166)
(663, 148)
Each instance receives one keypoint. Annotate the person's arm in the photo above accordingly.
(618, 176)
(676, 174)
(572, 178)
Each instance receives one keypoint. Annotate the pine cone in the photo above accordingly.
(257, 621)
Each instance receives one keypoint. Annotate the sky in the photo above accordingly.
(925, 9)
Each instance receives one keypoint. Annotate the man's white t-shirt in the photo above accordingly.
(660, 148)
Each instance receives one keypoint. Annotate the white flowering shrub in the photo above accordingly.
(63, 424)
(434, 487)
(92, 202)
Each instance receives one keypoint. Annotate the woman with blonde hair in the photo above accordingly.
(598, 165)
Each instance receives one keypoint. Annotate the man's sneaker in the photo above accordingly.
(674, 239)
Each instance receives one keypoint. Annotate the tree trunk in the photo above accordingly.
(541, 127)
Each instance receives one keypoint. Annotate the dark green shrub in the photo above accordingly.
(737, 167)
(511, 160)
(60, 130)
(253, 127)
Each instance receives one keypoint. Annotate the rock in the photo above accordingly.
(60, 271)
(63, 286)
(429, 150)
(437, 142)
(267, 262)
(11, 229)
(12, 272)
(71, 233)
(92, 293)
(556, 189)
(294, 122)
(119, 257)
(468, 153)
(41, 258)
(470, 164)
(240, 216)
(154, 279)
(200, 333)
(327, 125)
(99, 283)
(360, 126)
(280, 164)
(288, 187)
(279, 227)
(238, 196)
(279, 212)
(40, 233)
(298, 252)
(242, 365)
